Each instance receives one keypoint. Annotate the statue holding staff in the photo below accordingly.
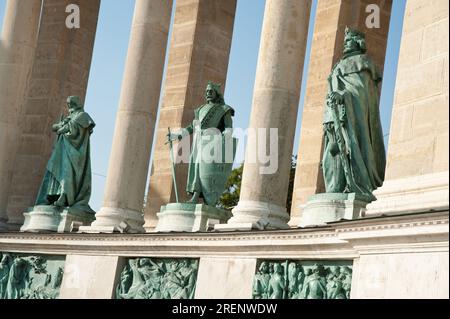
(212, 129)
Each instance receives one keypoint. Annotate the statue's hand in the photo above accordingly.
(56, 127)
(336, 97)
(63, 130)
(174, 137)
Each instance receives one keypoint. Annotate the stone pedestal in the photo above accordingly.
(330, 207)
(55, 219)
(421, 193)
(186, 217)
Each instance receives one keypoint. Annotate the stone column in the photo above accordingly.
(276, 95)
(331, 19)
(417, 159)
(199, 52)
(17, 46)
(61, 67)
(136, 117)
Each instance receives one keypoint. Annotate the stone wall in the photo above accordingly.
(417, 157)
(404, 256)
(418, 141)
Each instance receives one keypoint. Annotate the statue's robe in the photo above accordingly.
(357, 79)
(207, 116)
(4, 275)
(67, 180)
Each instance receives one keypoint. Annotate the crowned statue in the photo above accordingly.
(354, 156)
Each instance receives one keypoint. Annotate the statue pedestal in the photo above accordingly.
(55, 219)
(186, 217)
(330, 207)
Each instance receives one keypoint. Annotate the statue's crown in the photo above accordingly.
(354, 32)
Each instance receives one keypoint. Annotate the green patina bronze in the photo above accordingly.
(354, 156)
(289, 279)
(30, 277)
(157, 278)
(67, 180)
(212, 135)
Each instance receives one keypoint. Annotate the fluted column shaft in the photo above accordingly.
(17, 46)
(135, 122)
(274, 115)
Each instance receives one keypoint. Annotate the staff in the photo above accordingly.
(173, 164)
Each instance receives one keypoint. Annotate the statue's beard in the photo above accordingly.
(350, 50)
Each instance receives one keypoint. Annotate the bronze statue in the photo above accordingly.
(354, 157)
(212, 129)
(67, 180)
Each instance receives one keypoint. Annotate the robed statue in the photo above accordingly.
(67, 180)
(354, 156)
(213, 147)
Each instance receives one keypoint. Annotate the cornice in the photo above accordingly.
(413, 232)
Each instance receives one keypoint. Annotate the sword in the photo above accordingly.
(173, 165)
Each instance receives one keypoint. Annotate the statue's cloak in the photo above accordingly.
(68, 172)
(357, 78)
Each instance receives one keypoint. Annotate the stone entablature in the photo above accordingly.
(404, 256)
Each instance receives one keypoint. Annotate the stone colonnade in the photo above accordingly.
(17, 47)
(199, 51)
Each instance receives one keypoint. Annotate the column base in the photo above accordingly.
(112, 220)
(329, 207)
(150, 224)
(14, 226)
(411, 194)
(187, 217)
(3, 226)
(47, 218)
(295, 220)
(15, 222)
(248, 215)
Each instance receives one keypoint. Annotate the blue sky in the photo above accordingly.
(108, 63)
